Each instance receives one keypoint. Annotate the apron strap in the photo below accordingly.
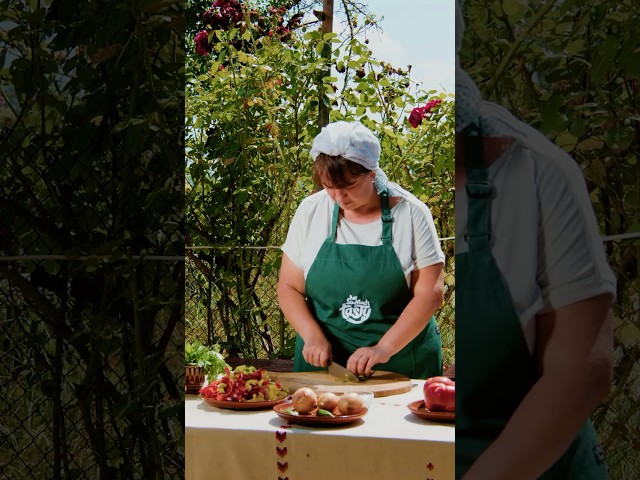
(387, 219)
(334, 222)
(479, 192)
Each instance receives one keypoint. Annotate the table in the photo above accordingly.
(389, 442)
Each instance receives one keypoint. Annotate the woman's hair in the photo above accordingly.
(335, 171)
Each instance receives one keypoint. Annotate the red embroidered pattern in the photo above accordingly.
(281, 452)
(430, 466)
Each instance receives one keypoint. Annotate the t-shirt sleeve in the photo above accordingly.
(572, 264)
(426, 248)
(296, 236)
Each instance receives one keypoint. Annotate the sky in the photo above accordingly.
(418, 33)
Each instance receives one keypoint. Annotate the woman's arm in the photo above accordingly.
(574, 351)
(427, 287)
(292, 299)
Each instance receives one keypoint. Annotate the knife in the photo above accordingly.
(339, 371)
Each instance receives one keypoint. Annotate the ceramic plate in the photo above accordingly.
(310, 419)
(243, 405)
(418, 408)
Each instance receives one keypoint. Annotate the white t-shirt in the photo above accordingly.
(544, 233)
(415, 240)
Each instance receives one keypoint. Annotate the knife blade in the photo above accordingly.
(339, 371)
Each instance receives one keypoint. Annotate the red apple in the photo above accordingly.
(440, 396)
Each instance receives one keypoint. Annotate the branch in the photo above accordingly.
(39, 302)
(518, 41)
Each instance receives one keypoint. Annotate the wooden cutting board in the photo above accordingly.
(381, 383)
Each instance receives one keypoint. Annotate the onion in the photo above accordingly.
(350, 404)
(304, 400)
(328, 401)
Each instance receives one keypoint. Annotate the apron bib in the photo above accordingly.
(494, 368)
(356, 293)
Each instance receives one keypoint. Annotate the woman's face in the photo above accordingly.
(358, 194)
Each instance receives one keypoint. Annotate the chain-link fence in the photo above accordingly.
(231, 300)
(90, 375)
(618, 417)
(91, 243)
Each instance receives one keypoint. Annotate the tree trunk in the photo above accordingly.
(323, 100)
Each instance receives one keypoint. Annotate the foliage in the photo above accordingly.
(571, 69)
(208, 358)
(250, 119)
(91, 203)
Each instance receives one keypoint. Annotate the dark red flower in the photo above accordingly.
(416, 116)
(202, 43)
(430, 104)
(420, 113)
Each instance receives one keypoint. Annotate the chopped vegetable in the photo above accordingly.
(245, 384)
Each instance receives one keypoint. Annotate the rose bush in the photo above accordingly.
(249, 130)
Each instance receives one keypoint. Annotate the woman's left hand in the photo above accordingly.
(362, 361)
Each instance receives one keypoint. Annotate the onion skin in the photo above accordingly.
(304, 400)
(350, 404)
(328, 401)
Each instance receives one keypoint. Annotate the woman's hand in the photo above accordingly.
(362, 361)
(292, 300)
(427, 287)
(574, 349)
(317, 351)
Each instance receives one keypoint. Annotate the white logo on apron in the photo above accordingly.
(355, 311)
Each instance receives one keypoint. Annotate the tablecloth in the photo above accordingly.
(389, 442)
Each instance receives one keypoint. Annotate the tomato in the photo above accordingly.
(440, 396)
(445, 380)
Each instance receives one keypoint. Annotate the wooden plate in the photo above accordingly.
(418, 409)
(243, 405)
(310, 419)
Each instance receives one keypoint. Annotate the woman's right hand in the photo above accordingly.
(293, 303)
(317, 351)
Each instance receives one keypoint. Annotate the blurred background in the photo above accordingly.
(572, 70)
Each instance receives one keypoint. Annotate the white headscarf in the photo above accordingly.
(355, 142)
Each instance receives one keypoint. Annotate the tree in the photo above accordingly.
(251, 117)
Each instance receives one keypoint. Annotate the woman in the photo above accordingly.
(361, 273)
(533, 329)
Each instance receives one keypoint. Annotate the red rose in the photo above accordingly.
(202, 43)
(416, 117)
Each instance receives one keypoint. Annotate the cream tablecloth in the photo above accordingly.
(389, 442)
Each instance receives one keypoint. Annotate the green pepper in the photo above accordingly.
(324, 413)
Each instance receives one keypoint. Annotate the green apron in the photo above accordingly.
(357, 292)
(491, 351)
